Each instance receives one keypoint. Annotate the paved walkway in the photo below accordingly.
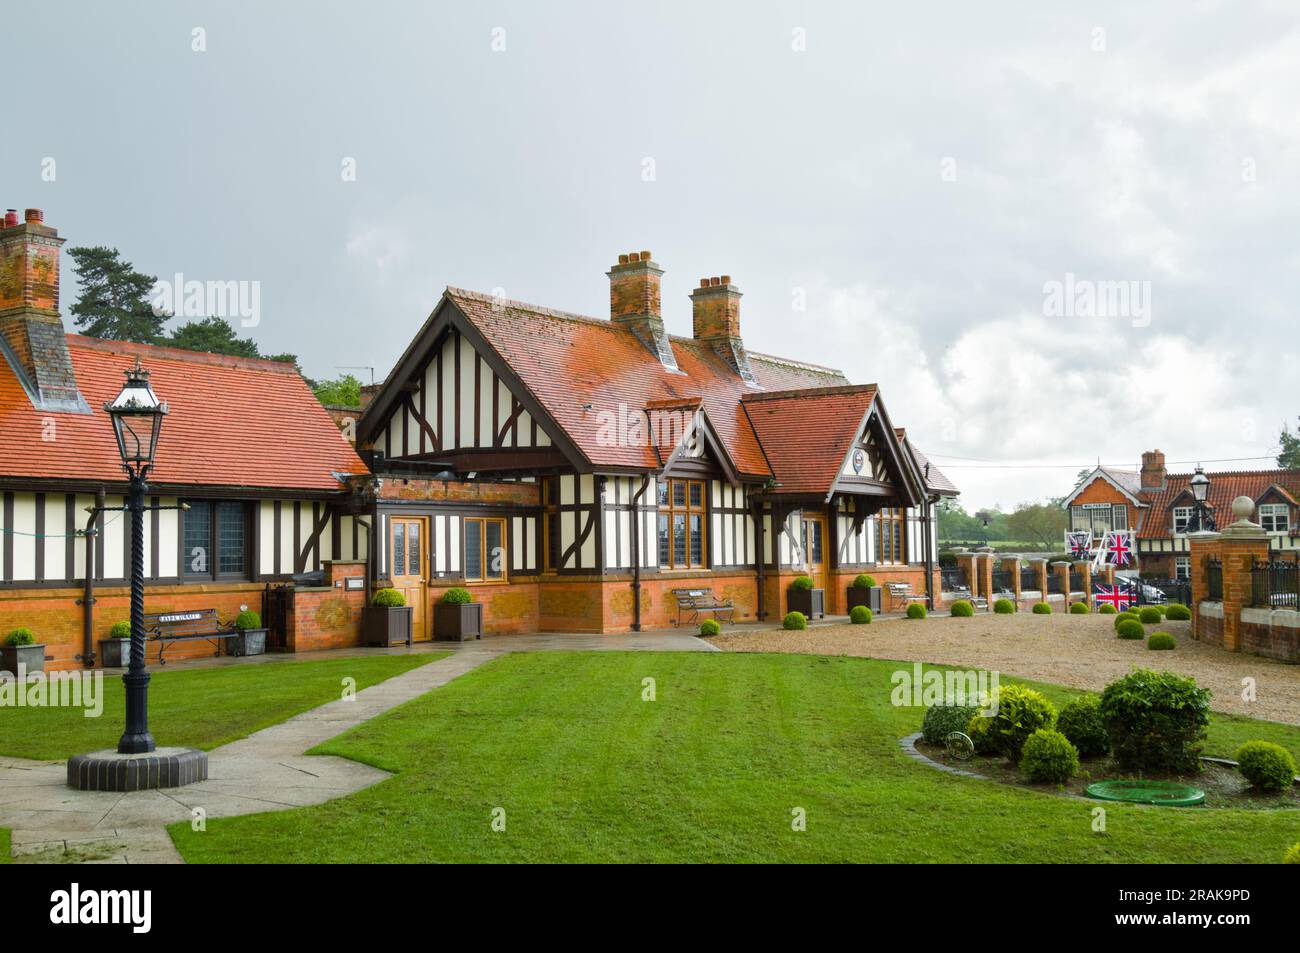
(267, 771)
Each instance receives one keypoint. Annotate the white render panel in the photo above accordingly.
(439, 544)
(56, 534)
(457, 542)
(467, 357)
(24, 540)
(114, 540)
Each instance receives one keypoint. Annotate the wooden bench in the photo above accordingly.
(900, 593)
(695, 601)
(188, 625)
(979, 602)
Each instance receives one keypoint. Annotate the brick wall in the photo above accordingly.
(328, 616)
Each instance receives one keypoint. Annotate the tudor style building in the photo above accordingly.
(1157, 505)
(573, 471)
(268, 480)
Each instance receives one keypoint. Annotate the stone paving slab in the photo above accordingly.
(267, 771)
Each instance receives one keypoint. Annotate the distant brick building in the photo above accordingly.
(1157, 505)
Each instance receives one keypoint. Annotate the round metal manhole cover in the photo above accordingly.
(1161, 793)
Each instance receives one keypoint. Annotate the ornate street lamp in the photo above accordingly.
(1201, 519)
(137, 416)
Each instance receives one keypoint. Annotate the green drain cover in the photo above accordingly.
(1162, 793)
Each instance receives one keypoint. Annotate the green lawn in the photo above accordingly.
(5, 848)
(199, 707)
(585, 770)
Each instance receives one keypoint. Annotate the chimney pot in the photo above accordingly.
(713, 282)
(622, 259)
(33, 215)
(726, 279)
(645, 256)
(704, 282)
(11, 217)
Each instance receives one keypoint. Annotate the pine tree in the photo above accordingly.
(114, 300)
(1289, 456)
(213, 335)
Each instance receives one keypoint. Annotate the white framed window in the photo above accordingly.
(1275, 517)
(1182, 514)
(1183, 567)
(1119, 516)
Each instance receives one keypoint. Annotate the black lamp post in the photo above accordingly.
(137, 416)
(1201, 518)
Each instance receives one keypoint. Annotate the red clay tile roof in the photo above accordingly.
(935, 479)
(567, 360)
(807, 434)
(1157, 521)
(233, 422)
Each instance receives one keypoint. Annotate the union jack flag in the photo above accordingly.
(1119, 551)
(1079, 544)
(1120, 595)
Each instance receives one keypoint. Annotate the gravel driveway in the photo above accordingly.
(1078, 651)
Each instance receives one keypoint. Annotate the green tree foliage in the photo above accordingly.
(1289, 456)
(114, 297)
(343, 391)
(1042, 523)
(213, 335)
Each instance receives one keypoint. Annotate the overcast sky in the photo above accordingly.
(914, 175)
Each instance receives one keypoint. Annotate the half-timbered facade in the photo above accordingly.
(262, 471)
(574, 471)
(1157, 506)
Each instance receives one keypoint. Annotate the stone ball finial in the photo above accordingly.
(1243, 507)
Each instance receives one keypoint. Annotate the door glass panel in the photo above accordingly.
(816, 528)
(496, 551)
(474, 549)
(413, 550)
(399, 548)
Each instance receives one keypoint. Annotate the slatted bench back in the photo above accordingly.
(689, 597)
(182, 622)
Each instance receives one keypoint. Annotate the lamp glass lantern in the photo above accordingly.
(1200, 485)
(137, 416)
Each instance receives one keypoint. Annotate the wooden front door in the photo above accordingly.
(409, 568)
(818, 544)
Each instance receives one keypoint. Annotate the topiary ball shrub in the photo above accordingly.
(1020, 711)
(1130, 629)
(1080, 721)
(120, 630)
(801, 582)
(1266, 765)
(1161, 608)
(388, 599)
(1161, 642)
(1125, 616)
(864, 581)
(1293, 855)
(1177, 612)
(1107, 609)
(980, 732)
(1004, 607)
(20, 636)
(710, 627)
(1048, 757)
(962, 609)
(1042, 608)
(916, 611)
(794, 621)
(941, 720)
(456, 596)
(1149, 615)
(248, 619)
(1079, 608)
(1156, 721)
(860, 615)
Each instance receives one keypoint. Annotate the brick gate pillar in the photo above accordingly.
(987, 554)
(969, 564)
(1011, 565)
(1238, 546)
(1062, 570)
(1039, 565)
(1085, 583)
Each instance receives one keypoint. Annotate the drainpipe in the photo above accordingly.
(636, 553)
(928, 548)
(760, 609)
(87, 600)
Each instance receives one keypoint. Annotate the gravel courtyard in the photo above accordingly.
(1078, 651)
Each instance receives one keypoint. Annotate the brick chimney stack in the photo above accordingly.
(634, 302)
(1153, 470)
(32, 338)
(715, 306)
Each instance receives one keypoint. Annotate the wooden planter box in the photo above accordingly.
(32, 657)
(115, 653)
(865, 597)
(811, 602)
(386, 625)
(456, 622)
(248, 642)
